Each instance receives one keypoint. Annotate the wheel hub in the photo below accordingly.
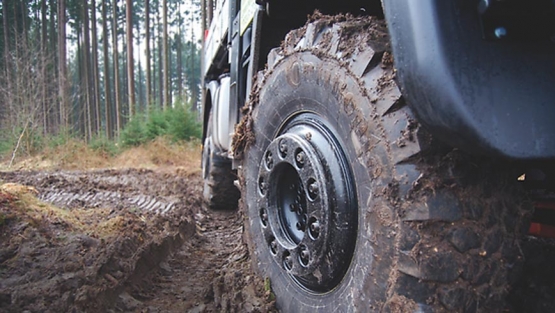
(308, 207)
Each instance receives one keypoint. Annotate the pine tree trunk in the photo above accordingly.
(140, 99)
(95, 70)
(116, 65)
(25, 29)
(160, 66)
(180, 64)
(89, 85)
(44, 58)
(53, 68)
(16, 50)
(130, 63)
(62, 65)
(108, 110)
(82, 109)
(52, 29)
(147, 52)
(166, 100)
(194, 94)
(7, 62)
(123, 80)
(170, 77)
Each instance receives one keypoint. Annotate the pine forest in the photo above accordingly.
(89, 68)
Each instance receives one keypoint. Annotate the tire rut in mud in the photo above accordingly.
(210, 273)
(142, 190)
(168, 254)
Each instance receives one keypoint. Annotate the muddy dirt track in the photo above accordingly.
(141, 241)
(135, 241)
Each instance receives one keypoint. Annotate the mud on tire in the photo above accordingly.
(405, 225)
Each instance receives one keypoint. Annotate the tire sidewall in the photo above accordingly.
(302, 82)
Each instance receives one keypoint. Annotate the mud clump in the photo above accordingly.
(118, 240)
(244, 135)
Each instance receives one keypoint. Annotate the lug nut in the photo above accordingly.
(264, 217)
(300, 226)
(313, 188)
(304, 256)
(288, 262)
(273, 246)
(269, 160)
(315, 227)
(283, 147)
(261, 185)
(300, 157)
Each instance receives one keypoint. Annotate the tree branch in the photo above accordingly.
(18, 143)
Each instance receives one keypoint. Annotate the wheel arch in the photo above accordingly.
(491, 97)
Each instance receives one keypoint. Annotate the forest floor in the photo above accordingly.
(89, 233)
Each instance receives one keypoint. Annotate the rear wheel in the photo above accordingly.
(349, 206)
(219, 192)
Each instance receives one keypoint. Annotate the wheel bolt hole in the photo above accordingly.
(296, 208)
(287, 261)
(300, 226)
(293, 207)
(264, 217)
(313, 189)
(300, 158)
(269, 158)
(314, 228)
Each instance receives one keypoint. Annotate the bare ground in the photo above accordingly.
(121, 241)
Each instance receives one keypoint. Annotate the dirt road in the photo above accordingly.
(141, 241)
(151, 247)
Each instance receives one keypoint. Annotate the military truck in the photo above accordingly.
(388, 155)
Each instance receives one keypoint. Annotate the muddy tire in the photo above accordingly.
(350, 205)
(219, 191)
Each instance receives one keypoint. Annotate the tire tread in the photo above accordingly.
(437, 207)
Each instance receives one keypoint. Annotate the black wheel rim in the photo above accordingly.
(307, 203)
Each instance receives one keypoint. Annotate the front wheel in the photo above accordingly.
(345, 210)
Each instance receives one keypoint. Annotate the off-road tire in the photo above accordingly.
(219, 191)
(436, 230)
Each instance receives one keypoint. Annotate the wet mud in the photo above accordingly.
(121, 241)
